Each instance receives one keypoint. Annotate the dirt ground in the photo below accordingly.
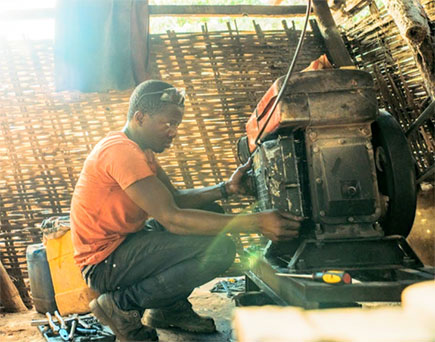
(15, 327)
(422, 236)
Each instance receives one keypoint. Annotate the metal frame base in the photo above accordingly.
(314, 295)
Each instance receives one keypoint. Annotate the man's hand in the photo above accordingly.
(235, 184)
(279, 225)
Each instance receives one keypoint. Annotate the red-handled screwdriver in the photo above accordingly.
(328, 277)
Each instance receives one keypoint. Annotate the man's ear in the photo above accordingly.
(140, 117)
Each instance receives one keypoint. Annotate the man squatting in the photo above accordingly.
(138, 264)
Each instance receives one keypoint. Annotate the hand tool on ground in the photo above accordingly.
(54, 328)
(37, 322)
(227, 289)
(72, 330)
(64, 334)
(85, 331)
(329, 277)
(44, 332)
(81, 328)
(84, 324)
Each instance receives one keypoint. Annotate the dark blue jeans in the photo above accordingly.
(152, 269)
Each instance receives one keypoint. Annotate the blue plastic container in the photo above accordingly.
(41, 285)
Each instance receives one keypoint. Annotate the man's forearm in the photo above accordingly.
(192, 221)
(197, 198)
(153, 197)
(273, 225)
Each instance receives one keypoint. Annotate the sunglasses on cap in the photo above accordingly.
(169, 95)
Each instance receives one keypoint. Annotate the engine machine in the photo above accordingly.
(328, 154)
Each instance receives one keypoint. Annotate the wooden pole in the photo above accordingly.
(181, 11)
(9, 295)
(335, 45)
(413, 24)
(227, 10)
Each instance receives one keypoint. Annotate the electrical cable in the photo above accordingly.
(289, 72)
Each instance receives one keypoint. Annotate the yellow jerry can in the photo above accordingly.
(72, 294)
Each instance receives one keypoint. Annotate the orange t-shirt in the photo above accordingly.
(102, 214)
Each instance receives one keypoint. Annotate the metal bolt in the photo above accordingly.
(322, 213)
(351, 190)
(315, 149)
(341, 141)
(318, 180)
(312, 135)
(350, 219)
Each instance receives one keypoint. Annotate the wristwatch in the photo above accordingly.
(223, 190)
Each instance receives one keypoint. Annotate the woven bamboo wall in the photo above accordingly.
(46, 136)
(376, 46)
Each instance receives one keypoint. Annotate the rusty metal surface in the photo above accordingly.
(343, 182)
(316, 98)
(279, 174)
(311, 295)
(319, 161)
(391, 252)
(330, 97)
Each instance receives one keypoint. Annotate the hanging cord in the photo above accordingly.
(289, 72)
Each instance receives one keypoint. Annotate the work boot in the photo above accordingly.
(126, 325)
(180, 315)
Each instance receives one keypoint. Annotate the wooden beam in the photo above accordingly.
(333, 41)
(410, 19)
(413, 24)
(179, 11)
(230, 11)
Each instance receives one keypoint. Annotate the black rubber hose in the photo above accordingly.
(289, 72)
